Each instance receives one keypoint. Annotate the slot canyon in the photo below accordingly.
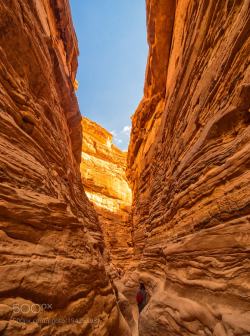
(82, 223)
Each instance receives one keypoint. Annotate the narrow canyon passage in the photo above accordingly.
(83, 223)
(103, 169)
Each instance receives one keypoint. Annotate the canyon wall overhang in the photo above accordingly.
(50, 240)
(188, 164)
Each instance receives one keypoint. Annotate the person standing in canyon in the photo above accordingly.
(141, 297)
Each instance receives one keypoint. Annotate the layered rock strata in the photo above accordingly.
(189, 170)
(52, 279)
(103, 174)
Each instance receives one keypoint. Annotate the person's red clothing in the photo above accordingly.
(139, 296)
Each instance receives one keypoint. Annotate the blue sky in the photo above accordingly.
(113, 52)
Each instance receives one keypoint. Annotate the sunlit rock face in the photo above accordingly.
(189, 169)
(50, 239)
(104, 178)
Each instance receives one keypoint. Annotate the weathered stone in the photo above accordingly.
(103, 173)
(49, 232)
(188, 164)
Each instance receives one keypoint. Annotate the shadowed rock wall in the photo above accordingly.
(50, 239)
(103, 173)
(189, 169)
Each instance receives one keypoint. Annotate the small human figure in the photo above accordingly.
(141, 297)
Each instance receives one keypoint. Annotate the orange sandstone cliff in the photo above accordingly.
(52, 278)
(188, 165)
(103, 173)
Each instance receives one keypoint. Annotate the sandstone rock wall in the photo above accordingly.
(147, 118)
(103, 173)
(50, 239)
(189, 169)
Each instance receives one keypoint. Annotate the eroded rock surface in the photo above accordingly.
(50, 239)
(188, 166)
(103, 173)
(189, 170)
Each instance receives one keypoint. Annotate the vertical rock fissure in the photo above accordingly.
(74, 243)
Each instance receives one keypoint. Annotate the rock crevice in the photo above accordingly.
(187, 233)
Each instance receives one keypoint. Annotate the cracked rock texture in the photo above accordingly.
(104, 178)
(189, 170)
(50, 239)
